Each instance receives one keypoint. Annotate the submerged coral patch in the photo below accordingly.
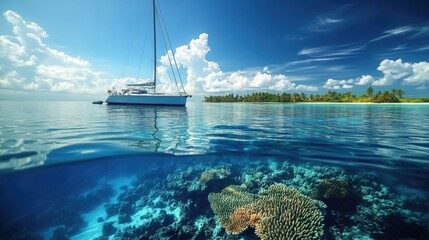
(277, 213)
(332, 188)
(212, 174)
(225, 203)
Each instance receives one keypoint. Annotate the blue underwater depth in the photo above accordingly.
(73, 170)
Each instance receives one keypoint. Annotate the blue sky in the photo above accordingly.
(221, 46)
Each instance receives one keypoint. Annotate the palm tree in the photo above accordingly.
(398, 92)
(394, 92)
(370, 92)
(401, 93)
(348, 97)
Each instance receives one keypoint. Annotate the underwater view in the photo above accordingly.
(73, 170)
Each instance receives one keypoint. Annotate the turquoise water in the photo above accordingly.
(73, 170)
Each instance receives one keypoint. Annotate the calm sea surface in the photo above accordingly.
(45, 146)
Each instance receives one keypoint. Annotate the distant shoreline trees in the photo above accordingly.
(392, 96)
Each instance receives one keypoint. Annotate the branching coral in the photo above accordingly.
(287, 214)
(241, 219)
(226, 202)
(277, 213)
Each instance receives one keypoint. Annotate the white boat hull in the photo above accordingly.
(148, 99)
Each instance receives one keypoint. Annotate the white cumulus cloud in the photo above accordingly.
(420, 74)
(28, 63)
(11, 80)
(364, 80)
(393, 70)
(338, 84)
(204, 75)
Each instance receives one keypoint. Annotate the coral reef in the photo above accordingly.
(234, 199)
(277, 213)
(242, 218)
(332, 188)
(108, 229)
(212, 174)
(307, 176)
(288, 214)
(226, 202)
(169, 204)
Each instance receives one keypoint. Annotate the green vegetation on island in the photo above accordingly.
(392, 96)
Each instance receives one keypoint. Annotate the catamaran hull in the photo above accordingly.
(147, 100)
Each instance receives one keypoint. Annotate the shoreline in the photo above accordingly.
(364, 103)
(333, 103)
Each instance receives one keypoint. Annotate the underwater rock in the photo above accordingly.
(124, 218)
(154, 225)
(125, 208)
(166, 219)
(186, 232)
(108, 229)
(127, 233)
(111, 209)
(60, 234)
(130, 195)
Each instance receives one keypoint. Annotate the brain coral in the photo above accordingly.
(277, 213)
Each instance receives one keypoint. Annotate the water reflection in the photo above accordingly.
(148, 128)
(39, 133)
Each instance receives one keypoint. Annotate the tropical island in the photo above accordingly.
(369, 96)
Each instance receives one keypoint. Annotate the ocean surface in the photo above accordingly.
(74, 170)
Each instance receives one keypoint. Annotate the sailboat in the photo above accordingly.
(145, 93)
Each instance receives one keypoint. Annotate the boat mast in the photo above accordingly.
(154, 47)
